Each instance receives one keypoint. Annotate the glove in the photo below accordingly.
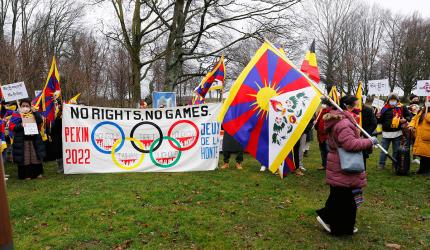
(374, 140)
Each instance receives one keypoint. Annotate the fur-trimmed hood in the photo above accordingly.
(332, 118)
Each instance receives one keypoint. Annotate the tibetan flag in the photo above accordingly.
(334, 95)
(46, 102)
(213, 80)
(74, 99)
(287, 166)
(310, 64)
(35, 101)
(197, 100)
(359, 95)
(245, 113)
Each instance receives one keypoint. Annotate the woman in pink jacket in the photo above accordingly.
(338, 215)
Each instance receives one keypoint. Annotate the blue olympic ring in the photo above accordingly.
(107, 123)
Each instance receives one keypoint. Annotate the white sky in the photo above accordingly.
(405, 7)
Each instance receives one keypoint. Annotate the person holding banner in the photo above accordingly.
(420, 126)
(392, 117)
(339, 214)
(28, 147)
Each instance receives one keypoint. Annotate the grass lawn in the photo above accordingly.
(220, 209)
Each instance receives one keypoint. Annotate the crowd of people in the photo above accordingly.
(337, 134)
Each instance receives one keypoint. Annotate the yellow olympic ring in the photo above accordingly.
(115, 145)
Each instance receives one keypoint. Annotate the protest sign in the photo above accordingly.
(14, 91)
(30, 125)
(37, 92)
(107, 140)
(423, 88)
(378, 87)
(164, 99)
(377, 103)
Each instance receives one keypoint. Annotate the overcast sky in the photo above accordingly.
(405, 6)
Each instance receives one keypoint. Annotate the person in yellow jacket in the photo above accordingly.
(420, 125)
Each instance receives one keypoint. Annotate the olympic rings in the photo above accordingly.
(151, 153)
(138, 145)
(93, 140)
(139, 162)
(159, 132)
(169, 133)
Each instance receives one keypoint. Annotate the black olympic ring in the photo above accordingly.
(159, 132)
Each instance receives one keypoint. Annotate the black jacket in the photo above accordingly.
(54, 146)
(369, 121)
(386, 119)
(18, 142)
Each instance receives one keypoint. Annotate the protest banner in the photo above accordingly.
(107, 140)
(378, 87)
(14, 91)
(164, 99)
(29, 124)
(423, 88)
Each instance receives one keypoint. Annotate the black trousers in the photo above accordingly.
(424, 165)
(31, 171)
(340, 211)
(227, 154)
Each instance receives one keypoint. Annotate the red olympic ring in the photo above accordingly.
(195, 141)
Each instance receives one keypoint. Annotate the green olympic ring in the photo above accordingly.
(151, 151)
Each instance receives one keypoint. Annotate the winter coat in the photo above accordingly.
(422, 138)
(343, 133)
(54, 146)
(322, 134)
(369, 121)
(229, 144)
(18, 141)
(387, 115)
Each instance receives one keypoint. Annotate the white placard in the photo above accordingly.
(108, 140)
(30, 128)
(14, 91)
(377, 103)
(378, 87)
(423, 88)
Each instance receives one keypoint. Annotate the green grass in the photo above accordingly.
(220, 209)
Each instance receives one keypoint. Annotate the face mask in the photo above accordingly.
(323, 106)
(25, 110)
(393, 103)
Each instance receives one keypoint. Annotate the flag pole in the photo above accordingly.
(333, 102)
(6, 242)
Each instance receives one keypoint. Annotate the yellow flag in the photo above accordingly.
(359, 95)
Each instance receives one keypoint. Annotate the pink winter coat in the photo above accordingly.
(343, 133)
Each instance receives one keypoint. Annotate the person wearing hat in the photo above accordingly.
(392, 117)
(414, 106)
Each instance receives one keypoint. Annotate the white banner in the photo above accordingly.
(423, 88)
(378, 87)
(107, 140)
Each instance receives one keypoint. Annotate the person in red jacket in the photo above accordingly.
(338, 215)
(322, 134)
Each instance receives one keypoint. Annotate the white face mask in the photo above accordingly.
(25, 110)
(323, 106)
